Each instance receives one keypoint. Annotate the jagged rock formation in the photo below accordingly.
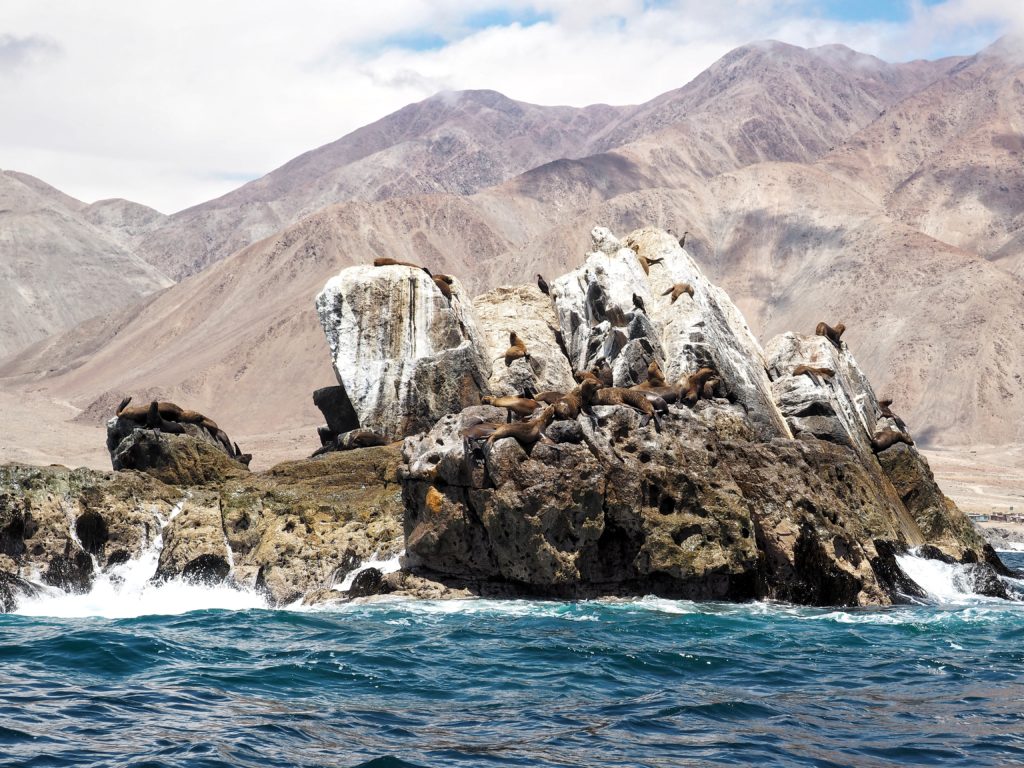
(722, 503)
(292, 531)
(522, 309)
(404, 353)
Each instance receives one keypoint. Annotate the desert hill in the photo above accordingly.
(761, 160)
(58, 266)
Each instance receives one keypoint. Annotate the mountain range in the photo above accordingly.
(813, 184)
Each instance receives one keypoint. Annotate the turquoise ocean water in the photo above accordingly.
(647, 682)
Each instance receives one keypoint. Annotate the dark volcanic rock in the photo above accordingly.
(336, 408)
(175, 459)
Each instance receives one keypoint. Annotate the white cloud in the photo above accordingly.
(170, 103)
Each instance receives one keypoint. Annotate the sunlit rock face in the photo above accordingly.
(404, 353)
(611, 308)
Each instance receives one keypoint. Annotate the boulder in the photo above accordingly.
(404, 353)
(531, 314)
(337, 410)
(842, 409)
(187, 459)
(194, 544)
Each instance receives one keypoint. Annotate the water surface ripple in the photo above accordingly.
(477, 683)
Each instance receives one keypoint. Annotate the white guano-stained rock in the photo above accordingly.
(405, 355)
(531, 314)
(706, 329)
(842, 409)
(599, 318)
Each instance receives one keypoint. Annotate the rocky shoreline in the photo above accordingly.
(765, 483)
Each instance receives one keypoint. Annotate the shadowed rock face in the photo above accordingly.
(702, 510)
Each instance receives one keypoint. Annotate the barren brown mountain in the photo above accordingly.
(57, 267)
(765, 101)
(761, 159)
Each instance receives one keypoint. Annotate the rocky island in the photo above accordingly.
(620, 432)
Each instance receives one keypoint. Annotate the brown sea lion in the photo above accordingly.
(548, 397)
(155, 421)
(655, 376)
(479, 431)
(630, 398)
(888, 438)
(655, 379)
(383, 261)
(708, 390)
(516, 350)
(167, 410)
(543, 285)
(526, 432)
(520, 406)
(814, 374)
(645, 261)
(603, 371)
(830, 333)
(678, 290)
(693, 387)
(582, 397)
(884, 407)
(444, 285)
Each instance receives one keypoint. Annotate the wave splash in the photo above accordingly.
(127, 590)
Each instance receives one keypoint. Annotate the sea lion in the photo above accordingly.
(693, 387)
(520, 406)
(543, 285)
(350, 441)
(479, 431)
(888, 438)
(548, 397)
(883, 406)
(638, 303)
(603, 371)
(579, 400)
(516, 350)
(167, 410)
(444, 285)
(830, 333)
(630, 398)
(526, 432)
(678, 290)
(814, 374)
(383, 261)
(708, 390)
(155, 421)
(655, 378)
(645, 261)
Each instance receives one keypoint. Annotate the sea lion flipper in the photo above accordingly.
(123, 405)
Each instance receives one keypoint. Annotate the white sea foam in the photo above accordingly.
(127, 590)
(387, 565)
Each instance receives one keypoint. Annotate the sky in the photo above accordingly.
(171, 103)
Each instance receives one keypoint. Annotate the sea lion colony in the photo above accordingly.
(536, 411)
